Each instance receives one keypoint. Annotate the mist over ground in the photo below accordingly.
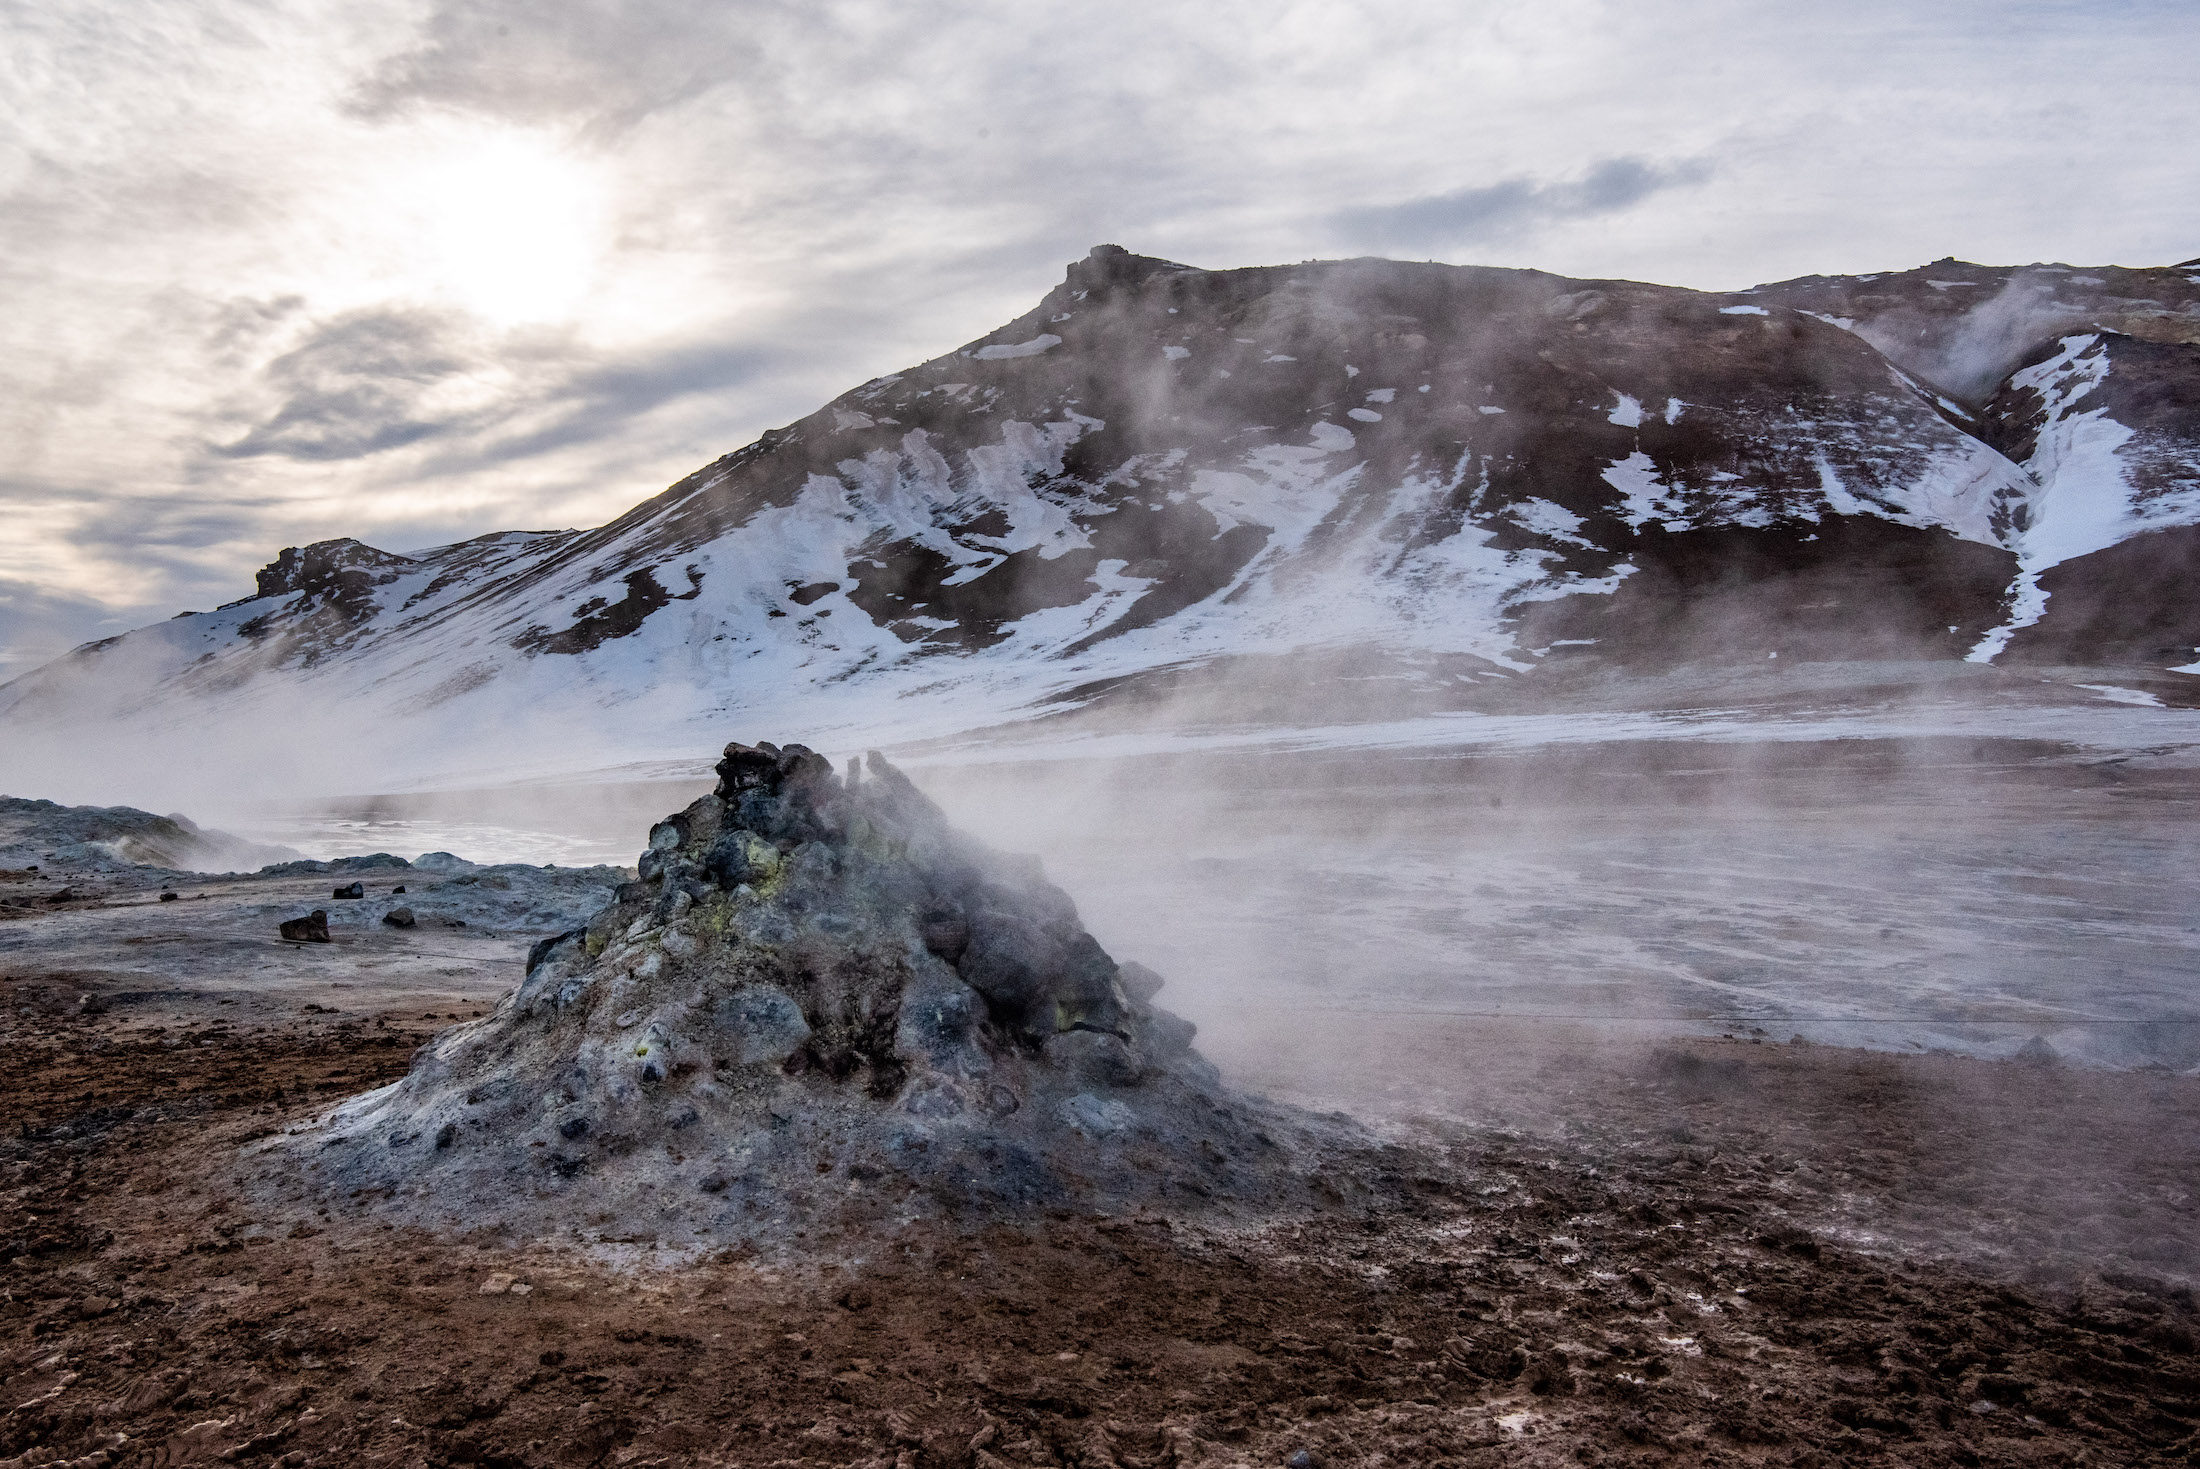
(1919, 890)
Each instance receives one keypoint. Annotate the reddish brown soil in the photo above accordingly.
(1644, 1280)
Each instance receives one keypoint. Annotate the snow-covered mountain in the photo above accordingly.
(1453, 475)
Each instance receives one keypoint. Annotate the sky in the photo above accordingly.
(278, 271)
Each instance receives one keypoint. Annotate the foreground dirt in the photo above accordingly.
(1685, 1267)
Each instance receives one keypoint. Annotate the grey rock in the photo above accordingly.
(763, 1024)
(1097, 1057)
(1096, 1117)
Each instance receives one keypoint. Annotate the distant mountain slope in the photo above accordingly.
(2090, 381)
(1465, 471)
(67, 839)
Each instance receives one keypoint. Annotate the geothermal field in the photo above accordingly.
(1665, 1102)
(1362, 863)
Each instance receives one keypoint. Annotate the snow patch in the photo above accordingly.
(1032, 348)
(1743, 311)
(1364, 415)
(1176, 354)
(2115, 695)
(1331, 439)
(1628, 414)
(1385, 395)
(1645, 497)
(1551, 520)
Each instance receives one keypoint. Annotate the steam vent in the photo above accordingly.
(819, 1007)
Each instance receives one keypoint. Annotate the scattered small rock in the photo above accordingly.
(170, 897)
(399, 918)
(498, 1283)
(90, 1005)
(66, 895)
(398, 889)
(350, 890)
(311, 929)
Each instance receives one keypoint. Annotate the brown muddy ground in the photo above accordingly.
(1695, 1253)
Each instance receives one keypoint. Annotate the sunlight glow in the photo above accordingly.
(510, 227)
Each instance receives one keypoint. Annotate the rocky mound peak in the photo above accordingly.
(818, 1003)
(342, 564)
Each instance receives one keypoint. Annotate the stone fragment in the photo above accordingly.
(1100, 1058)
(311, 929)
(763, 1025)
(741, 857)
(1139, 983)
(349, 890)
(399, 918)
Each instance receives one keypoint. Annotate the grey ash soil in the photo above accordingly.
(139, 937)
(819, 1009)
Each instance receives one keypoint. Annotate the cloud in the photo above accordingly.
(359, 385)
(603, 398)
(1515, 207)
(609, 62)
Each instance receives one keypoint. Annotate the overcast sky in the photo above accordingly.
(274, 271)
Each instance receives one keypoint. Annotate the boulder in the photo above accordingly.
(350, 890)
(399, 918)
(311, 929)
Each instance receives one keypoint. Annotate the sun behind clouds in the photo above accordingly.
(507, 225)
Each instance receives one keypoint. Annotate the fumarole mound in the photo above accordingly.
(820, 1008)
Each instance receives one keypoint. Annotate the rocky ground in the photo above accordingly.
(1700, 1257)
(1595, 1251)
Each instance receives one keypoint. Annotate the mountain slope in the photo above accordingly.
(1462, 471)
(2090, 381)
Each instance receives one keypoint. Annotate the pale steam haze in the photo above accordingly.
(276, 273)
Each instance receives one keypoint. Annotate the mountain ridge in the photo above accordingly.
(1476, 470)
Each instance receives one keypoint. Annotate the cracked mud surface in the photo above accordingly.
(1646, 1277)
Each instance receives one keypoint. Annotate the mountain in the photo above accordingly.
(1448, 476)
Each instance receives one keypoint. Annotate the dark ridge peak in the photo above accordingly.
(1106, 267)
(2186, 264)
(324, 564)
